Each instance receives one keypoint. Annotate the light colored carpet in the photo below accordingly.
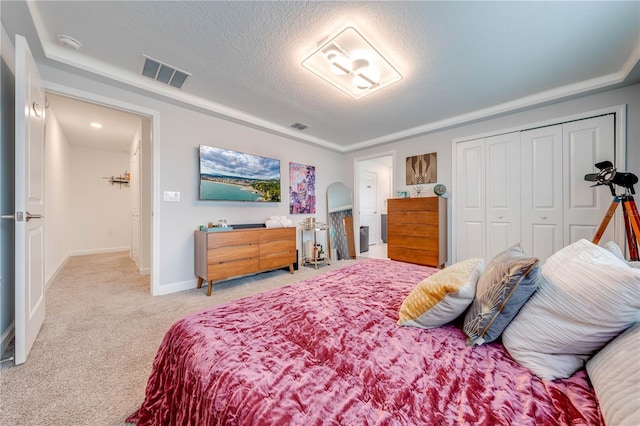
(90, 362)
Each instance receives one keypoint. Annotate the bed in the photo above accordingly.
(328, 351)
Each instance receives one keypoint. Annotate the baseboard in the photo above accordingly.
(56, 271)
(6, 337)
(99, 251)
(144, 271)
(176, 287)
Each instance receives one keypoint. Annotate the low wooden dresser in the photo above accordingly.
(222, 255)
(417, 230)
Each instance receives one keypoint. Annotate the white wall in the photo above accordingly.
(100, 216)
(181, 132)
(57, 207)
(441, 141)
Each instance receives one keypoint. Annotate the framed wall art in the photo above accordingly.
(302, 189)
(422, 169)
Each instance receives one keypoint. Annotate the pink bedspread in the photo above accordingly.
(327, 351)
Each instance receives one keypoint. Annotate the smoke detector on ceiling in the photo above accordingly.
(68, 41)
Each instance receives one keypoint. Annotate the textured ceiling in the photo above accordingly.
(460, 61)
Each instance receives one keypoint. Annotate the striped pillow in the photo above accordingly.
(615, 374)
(442, 297)
(589, 296)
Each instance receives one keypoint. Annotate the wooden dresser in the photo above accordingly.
(417, 230)
(222, 255)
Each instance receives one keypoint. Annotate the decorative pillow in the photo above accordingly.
(615, 375)
(443, 296)
(615, 249)
(508, 282)
(589, 296)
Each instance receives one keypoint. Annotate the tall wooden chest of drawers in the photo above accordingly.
(417, 230)
(222, 255)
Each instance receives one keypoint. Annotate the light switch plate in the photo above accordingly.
(171, 196)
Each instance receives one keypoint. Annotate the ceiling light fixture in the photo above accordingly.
(96, 125)
(351, 63)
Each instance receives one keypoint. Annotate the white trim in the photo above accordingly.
(8, 51)
(621, 157)
(56, 272)
(176, 287)
(155, 166)
(99, 251)
(356, 186)
(551, 122)
(528, 102)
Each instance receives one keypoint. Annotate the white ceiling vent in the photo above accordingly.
(162, 72)
(299, 126)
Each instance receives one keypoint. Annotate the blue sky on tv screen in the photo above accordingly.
(223, 162)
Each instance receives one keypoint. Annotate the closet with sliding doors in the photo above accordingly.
(528, 187)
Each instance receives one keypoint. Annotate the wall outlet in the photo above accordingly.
(171, 196)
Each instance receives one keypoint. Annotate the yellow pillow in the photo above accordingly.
(442, 297)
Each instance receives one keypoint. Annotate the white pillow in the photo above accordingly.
(588, 298)
(615, 249)
(615, 375)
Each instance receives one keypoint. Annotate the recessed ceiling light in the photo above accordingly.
(96, 125)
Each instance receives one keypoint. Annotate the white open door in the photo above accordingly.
(29, 204)
(368, 205)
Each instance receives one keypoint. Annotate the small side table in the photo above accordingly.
(313, 258)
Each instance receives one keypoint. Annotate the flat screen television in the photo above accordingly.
(227, 175)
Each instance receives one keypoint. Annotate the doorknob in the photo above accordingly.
(34, 216)
(19, 216)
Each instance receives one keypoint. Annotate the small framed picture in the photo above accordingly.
(403, 194)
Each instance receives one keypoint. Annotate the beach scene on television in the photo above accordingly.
(227, 175)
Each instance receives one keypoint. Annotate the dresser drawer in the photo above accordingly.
(279, 260)
(275, 247)
(232, 238)
(420, 257)
(415, 230)
(220, 271)
(270, 235)
(225, 254)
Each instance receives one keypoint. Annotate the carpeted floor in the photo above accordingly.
(90, 362)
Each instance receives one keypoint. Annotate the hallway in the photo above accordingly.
(376, 251)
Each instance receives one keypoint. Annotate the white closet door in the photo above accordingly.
(470, 205)
(503, 192)
(585, 143)
(542, 197)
